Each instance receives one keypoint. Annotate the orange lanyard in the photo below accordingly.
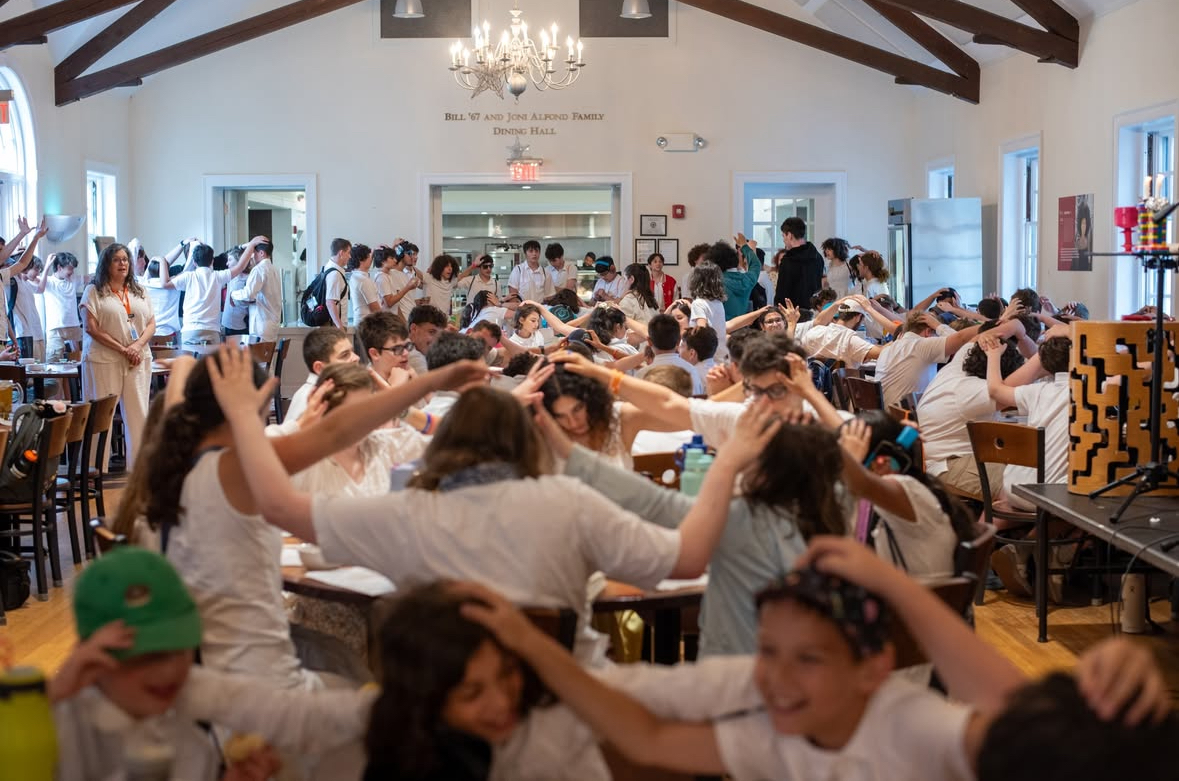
(125, 297)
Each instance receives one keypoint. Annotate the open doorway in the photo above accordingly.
(241, 207)
(497, 220)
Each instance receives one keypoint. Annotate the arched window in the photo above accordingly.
(18, 157)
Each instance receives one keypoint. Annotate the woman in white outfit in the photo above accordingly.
(118, 324)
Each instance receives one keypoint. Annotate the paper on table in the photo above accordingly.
(673, 585)
(290, 556)
(358, 579)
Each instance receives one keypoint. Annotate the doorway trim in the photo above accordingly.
(837, 179)
(305, 182)
(430, 223)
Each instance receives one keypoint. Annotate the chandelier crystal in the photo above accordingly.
(516, 60)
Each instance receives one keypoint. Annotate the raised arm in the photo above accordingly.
(237, 268)
(747, 319)
(888, 495)
(268, 463)
(1002, 394)
(11, 246)
(663, 404)
(612, 714)
(557, 324)
(27, 256)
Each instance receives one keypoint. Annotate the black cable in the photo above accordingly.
(1133, 560)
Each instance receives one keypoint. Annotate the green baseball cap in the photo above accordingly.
(143, 590)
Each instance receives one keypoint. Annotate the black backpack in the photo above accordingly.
(313, 306)
(27, 422)
(14, 580)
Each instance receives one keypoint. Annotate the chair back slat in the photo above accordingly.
(102, 414)
(1005, 443)
(263, 353)
(78, 421)
(58, 428)
(957, 593)
(864, 394)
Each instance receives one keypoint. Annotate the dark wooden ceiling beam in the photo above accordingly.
(929, 38)
(132, 72)
(905, 70)
(43, 21)
(1052, 17)
(102, 44)
(994, 29)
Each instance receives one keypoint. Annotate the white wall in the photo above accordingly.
(94, 130)
(1127, 63)
(365, 116)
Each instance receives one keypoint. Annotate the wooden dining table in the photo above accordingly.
(666, 612)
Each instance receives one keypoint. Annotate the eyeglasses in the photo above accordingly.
(397, 349)
(774, 392)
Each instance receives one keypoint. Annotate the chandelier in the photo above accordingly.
(516, 60)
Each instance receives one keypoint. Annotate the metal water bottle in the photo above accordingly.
(28, 738)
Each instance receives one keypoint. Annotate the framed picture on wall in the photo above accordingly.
(670, 250)
(644, 248)
(653, 225)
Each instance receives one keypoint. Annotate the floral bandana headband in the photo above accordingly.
(861, 616)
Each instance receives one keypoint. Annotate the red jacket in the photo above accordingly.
(668, 291)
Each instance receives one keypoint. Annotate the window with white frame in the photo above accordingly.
(18, 160)
(941, 182)
(1146, 167)
(770, 213)
(1020, 251)
(101, 219)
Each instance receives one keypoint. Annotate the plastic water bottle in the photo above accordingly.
(695, 466)
(28, 739)
(697, 444)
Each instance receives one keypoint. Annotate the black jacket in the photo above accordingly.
(800, 275)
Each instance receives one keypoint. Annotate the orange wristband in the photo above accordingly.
(616, 382)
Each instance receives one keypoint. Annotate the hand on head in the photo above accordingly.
(1119, 675)
(758, 424)
(90, 659)
(855, 436)
(232, 377)
(528, 391)
(559, 441)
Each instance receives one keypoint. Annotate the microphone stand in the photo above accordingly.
(1154, 474)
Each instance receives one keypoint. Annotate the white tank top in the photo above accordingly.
(231, 565)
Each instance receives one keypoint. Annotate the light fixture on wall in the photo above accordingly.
(680, 142)
(516, 60)
(62, 227)
(409, 9)
(636, 9)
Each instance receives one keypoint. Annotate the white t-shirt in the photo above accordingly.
(927, 544)
(230, 563)
(235, 316)
(673, 359)
(263, 288)
(61, 303)
(561, 276)
(363, 291)
(540, 555)
(835, 341)
(907, 732)
(635, 308)
(299, 398)
(950, 401)
(476, 285)
(533, 285)
(439, 292)
(615, 288)
(716, 420)
(334, 284)
(166, 303)
(409, 300)
(25, 311)
(714, 312)
(1045, 404)
(383, 449)
(908, 365)
(202, 297)
(536, 340)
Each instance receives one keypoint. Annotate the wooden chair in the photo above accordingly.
(92, 468)
(263, 353)
(558, 623)
(898, 413)
(69, 489)
(104, 537)
(864, 394)
(658, 467)
(40, 511)
(972, 558)
(1005, 443)
(957, 593)
(842, 395)
(279, 358)
(16, 373)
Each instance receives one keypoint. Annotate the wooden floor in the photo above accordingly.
(42, 633)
